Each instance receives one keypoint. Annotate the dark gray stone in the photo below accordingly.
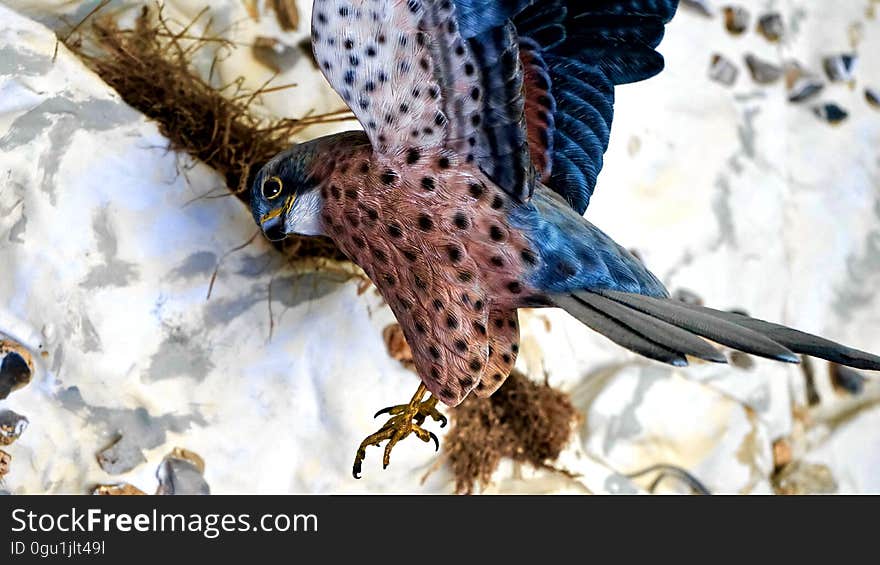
(771, 26)
(831, 113)
(840, 67)
(762, 71)
(179, 476)
(15, 372)
(700, 6)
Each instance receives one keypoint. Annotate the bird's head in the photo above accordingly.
(284, 199)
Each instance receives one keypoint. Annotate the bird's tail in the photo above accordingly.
(669, 330)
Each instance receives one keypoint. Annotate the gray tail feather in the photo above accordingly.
(669, 330)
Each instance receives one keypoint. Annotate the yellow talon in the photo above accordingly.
(405, 419)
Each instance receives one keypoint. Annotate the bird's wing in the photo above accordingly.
(414, 81)
(574, 53)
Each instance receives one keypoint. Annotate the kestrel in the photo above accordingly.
(484, 126)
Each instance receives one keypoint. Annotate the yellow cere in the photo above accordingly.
(288, 204)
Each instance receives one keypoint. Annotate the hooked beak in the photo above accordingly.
(272, 223)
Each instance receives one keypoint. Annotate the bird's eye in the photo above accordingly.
(272, 188)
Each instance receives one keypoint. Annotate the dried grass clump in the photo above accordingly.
(526, 421)
(150, 66)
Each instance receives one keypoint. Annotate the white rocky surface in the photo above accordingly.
(107, 255)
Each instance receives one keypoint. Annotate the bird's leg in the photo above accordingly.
(405, 419)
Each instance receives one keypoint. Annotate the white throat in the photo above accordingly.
(305, 216)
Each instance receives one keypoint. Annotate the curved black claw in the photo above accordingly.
(442, 420)
(356, 470)
(436, 441)
(386, 410)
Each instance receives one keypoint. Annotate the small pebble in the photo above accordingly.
(873, 97)
(831, 113)
(700, 6)
(179, 475)
(12, 425)
(782, 454)
(801, 85)
(800, 477)
(16, 367)
(5, 462)
(846, 379)
(736, 19)
(742, 360)
(805, 89)
(119, 489)
(840, 68)
(286, 13)
(191, 456)
(275, 55)
(722, 70)
(762, 71)
(771, 26)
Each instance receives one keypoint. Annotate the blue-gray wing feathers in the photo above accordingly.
(587, 48)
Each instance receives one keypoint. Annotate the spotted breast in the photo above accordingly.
(432, 233)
